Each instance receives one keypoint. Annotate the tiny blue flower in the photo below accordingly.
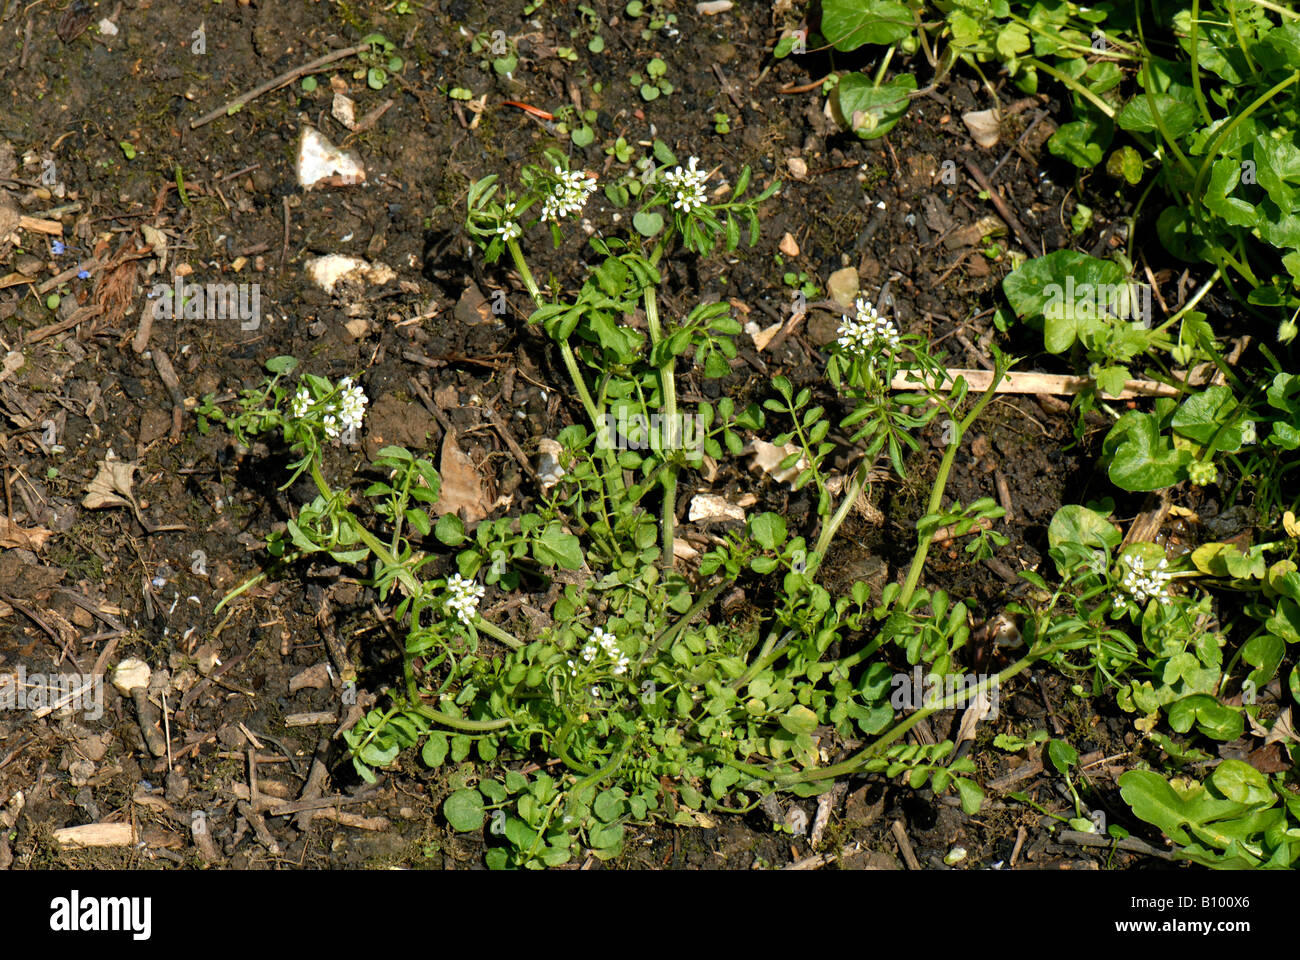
(57, 247)
(83, 274)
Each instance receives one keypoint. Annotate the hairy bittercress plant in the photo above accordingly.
(643, 699)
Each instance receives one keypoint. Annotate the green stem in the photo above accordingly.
(517, 255)
(1228, 128)
(671, 632)
(668, 387)
(251, 582)
(608, 770)
(594, 412)
(458, 723)
(884, 65)
(437, 716)
(669, 516)
(496, 633)
(1191, 304)
(1283, 11)
(412, 585)
(853, 764)
(940, 483)
(766, 657)
(1195, 54)
(1074, 85)
(853, 659)
(1056, 37)
(841, 513)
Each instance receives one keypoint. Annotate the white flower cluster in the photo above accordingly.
(509, 230)
(867, 332)
(301, 403)
(1143, 584)
(465, 595)
(346, 414)
(352, 405)
(570, 194)
(688, 186)
(599, 640)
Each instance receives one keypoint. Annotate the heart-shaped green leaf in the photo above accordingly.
(648, 223)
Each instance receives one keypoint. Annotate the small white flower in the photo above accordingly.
(595, 692)
(867, 333)
(570, 194)
(352, 404)
(301, 403)
(620, 666)
(688, 186)
(331, 425)
(589, 653)
(464, 597)
(509, 230)
(1143, 583)
(608, 642)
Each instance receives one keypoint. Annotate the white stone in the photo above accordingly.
(130, 675)
(319, 161)
(328, 270)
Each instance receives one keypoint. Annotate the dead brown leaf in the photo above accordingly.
(1283, 729)
(30, 538)
(113, 293)
(111, 486)
(1270, 758)
(462, 487)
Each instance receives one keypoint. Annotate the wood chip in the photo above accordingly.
(768, 458)
(317, 677)
(354, 820)
(96, 835)
(316, 718)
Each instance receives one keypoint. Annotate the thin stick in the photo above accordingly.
(90, 266)
(1041, 115)
(287, 77)
(905, 845)
(1003, 210)
(1130, 844)
(496, 421)
(804, 88)
(284, 247)
(727, 87)
(1052, 384)
(1004, 494)
(40, 333)
(1020, 842)
(371, 118)
(167, 731)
